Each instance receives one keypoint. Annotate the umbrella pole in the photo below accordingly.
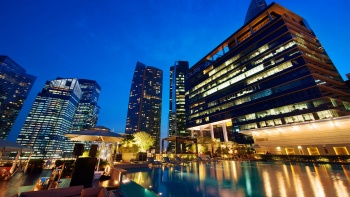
(98, 164)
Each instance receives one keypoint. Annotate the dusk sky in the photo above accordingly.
(103, 40)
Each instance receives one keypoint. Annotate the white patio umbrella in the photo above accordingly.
(96, 134)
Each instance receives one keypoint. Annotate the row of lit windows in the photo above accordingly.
(225, 82)
(288, 120)
(215, 72)
(265, 93)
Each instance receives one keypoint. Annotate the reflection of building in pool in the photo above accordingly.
(273, 80)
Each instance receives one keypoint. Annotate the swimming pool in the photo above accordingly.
(233, 178)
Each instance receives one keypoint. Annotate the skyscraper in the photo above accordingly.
(50, 118)
(145, 102)
(86, 114)
(177, 114)
(15, 85)
(273, 80)
(255, 7)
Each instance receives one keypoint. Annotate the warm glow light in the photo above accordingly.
(278, 148)
(267, 185)
(299, 147)
(281, 184)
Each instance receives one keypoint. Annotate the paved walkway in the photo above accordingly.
(24, 182)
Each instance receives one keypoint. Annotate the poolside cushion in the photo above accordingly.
(90, 192)
(60, 192)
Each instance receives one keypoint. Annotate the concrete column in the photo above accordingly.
(201, 132)
(224, 130)
(192, 133)
(212, 132)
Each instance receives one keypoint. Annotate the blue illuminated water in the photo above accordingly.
(233, 178)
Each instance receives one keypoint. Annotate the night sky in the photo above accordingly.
(103, 40)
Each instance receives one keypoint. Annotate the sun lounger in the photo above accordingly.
(211, 159)
(151, 161)
(201, 160)
(169, 162)
(181, 161)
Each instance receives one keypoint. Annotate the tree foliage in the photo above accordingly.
(143, 140)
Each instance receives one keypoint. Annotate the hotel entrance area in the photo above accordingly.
(322, 137)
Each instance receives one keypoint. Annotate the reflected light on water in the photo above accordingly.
(297, 182)
(285, 169)
(346, 174)
(315, 183)
(243, 179)
(234, 170)
(281, 184)
(267, 183)
(248, 181)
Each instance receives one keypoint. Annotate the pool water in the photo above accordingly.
(233, 178)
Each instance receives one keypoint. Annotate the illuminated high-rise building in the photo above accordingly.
(50, 118)
(86, 115)
(272, 80)
(177, 114)
(15, 85)
(145, 102)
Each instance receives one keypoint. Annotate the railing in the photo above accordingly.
(130, 188)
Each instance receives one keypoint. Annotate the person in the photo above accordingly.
(48, 163)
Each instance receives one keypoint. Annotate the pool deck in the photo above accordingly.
(21, 182)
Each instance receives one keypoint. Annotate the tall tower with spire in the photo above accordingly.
(255, 7)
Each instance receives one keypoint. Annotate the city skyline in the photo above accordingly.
(72, 43)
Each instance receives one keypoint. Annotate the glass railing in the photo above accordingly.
(129, 189)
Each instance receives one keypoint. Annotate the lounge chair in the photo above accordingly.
(152, 162)
(169, 162)
(201, 160)
(212, 159)
(181, 161)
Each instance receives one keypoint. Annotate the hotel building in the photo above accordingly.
(272, 80)
(145, 102)
(50, 118)
(15, 85)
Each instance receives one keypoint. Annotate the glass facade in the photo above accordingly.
(255, 7)
(50, 117)
(272, 71)
(145, 102)
(15, 85)
(177, 115)
(86, 114)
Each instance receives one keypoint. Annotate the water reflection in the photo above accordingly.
(231, 178)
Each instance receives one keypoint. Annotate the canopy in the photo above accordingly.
(95, 134)
(12, 146)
